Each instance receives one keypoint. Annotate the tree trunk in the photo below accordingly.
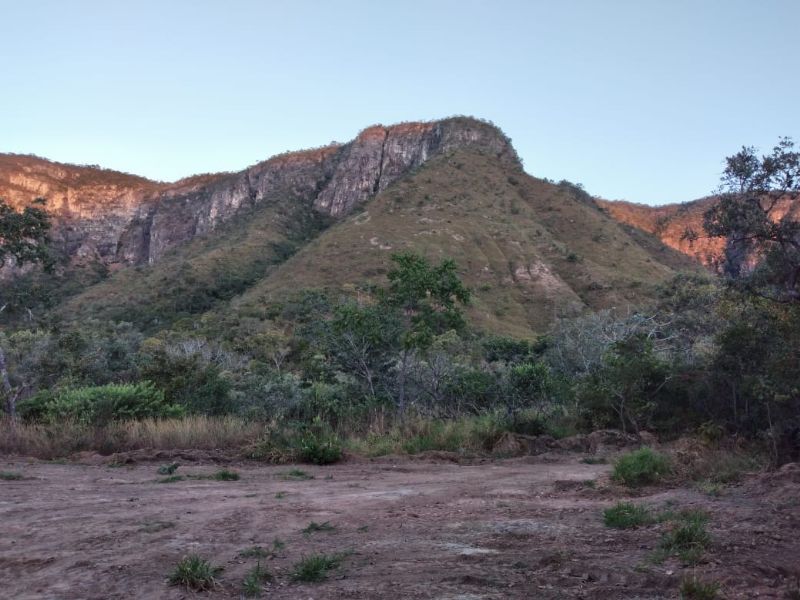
(5, 386)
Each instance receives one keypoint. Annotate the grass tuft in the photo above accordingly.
(226, 475)
(195, 573)
(315, 568)
(315, 527)
(171, 479)
(10, 476)
(695, 589)
(253, 583)
(297, 474)
(641, 467)
(687, 539)
(625, 515)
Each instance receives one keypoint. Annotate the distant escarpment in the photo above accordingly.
(671, 223)
(120, 219)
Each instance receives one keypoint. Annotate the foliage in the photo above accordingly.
(99, 405)
(23, 235)
(751, 219)
(641, 467)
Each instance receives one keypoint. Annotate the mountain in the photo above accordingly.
(232, 246)
(670, 222)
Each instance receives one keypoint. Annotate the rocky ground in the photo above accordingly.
(433, 527)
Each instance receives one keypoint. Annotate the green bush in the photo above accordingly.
(641, 467)
(695, 589)
(99, 405)
(320, 446)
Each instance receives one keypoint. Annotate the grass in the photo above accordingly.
(195, 573)
(280, 495)
(312, 569)
(694, 589)
(625, 515)
(171, 479)
(641, 467)
(315, 527)
(225, 475)
(156, 526)
(254, 552)
(298, 474)
(594, 460)
(253, 583)
(10, 476)
(688, 538)
(60, 440)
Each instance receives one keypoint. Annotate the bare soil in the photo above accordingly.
(427, 528)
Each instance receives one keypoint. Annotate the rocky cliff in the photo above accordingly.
(121, 219)
(671, 222)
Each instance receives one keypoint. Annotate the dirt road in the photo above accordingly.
(517, 528)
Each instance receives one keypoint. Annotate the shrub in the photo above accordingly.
(625, 515)
(195, 573)
(315, 568)
(641, 467)
(99, 405)
(10, 476)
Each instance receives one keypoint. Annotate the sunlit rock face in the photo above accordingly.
(122, 219)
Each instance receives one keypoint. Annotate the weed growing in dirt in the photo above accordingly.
(687, 539)
(10, 476)
(315, 568)
(315, 527)
(171, 479)
(297, 474)
(278, 544)
(280, 495)
(195, 573)
(625, 515)
(641, 467)
(226, 475)
(594, 460)
(168, 469)
(254, 581)
(695, 589)
(155, 526)
(253, 552)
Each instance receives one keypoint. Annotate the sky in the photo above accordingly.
(635, 99)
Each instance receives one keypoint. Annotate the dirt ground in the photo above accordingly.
(409, 528)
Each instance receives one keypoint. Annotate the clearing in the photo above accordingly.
(431, 527)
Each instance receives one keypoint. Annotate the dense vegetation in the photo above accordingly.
(714, 357)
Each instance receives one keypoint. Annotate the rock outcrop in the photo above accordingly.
(121, 219)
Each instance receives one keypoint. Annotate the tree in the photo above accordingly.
(754, 215)
(429, 299)
(23, 238)
(23, 235)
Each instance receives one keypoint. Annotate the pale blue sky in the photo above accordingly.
(636, 99)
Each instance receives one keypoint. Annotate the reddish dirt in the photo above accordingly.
(517, 528)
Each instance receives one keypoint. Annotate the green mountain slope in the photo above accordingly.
(529, 249)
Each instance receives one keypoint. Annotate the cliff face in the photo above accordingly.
(670, 223)
(122, 219)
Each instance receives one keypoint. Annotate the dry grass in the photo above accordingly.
(66, 438)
